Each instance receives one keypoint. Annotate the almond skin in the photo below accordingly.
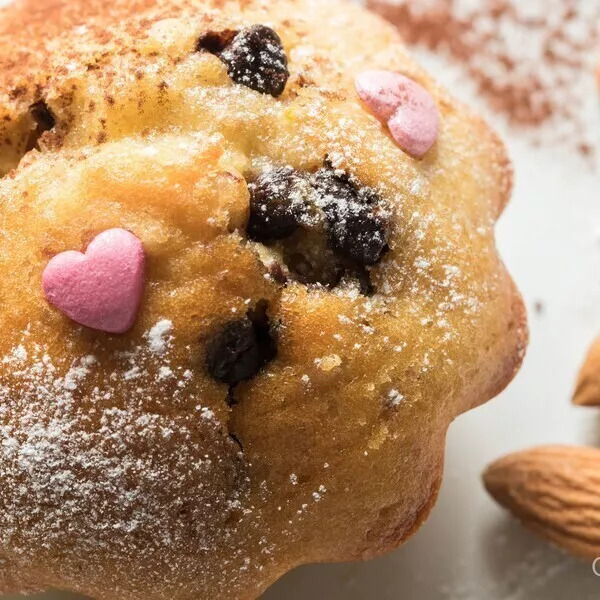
(587, 392)
(555, 492)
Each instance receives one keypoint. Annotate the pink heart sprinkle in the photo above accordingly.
(102, 288)
(405, 106)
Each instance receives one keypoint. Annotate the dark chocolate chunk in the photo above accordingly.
(356, 228)
(44, 121)
(278, 200)
(215, 41)
(328, 229)
(311, 261)
(241, 349)
(256, 58)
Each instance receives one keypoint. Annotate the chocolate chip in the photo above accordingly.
(278, 200)
(325, 229)
(42, 115)
(277, 272)
(215, 41)
(241, 349)
(311, 261)
(44, 121)
(356, 228)
(363, 277)
(256, 58)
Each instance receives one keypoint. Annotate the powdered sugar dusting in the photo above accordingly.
(85, 462)
(159, 337)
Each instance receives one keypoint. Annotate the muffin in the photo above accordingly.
(248, 280)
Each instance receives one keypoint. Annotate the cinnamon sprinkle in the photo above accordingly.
(532, 61)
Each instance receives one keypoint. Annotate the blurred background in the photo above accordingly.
(530, 68)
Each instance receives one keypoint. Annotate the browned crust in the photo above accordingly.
(24, 49)
(506, 170)
(392, 535)
(517, 336)
(398, 535)
(508, 356)
(50, 18)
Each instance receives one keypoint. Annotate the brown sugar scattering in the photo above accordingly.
(285, 393)
(531, 61)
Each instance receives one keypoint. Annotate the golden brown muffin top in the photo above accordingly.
(111, 117)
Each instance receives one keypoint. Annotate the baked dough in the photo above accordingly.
(281, 399)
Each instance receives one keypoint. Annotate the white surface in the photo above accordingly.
(469, 549)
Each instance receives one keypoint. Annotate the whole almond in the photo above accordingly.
(587, 392)
(555, 492)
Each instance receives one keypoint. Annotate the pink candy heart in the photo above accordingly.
(102, 288)
(405, 106)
